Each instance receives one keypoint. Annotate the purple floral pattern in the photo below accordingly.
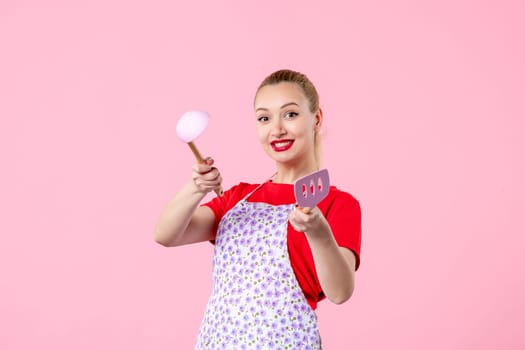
(256, 301)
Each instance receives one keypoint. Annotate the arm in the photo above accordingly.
(183, 221)
(335, 265)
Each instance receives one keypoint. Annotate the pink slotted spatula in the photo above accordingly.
(309, 190)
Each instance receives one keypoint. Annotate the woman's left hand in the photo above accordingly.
(307, 220)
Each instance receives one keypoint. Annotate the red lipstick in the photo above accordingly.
(281, 145)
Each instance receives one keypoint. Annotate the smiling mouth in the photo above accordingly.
(281, 145)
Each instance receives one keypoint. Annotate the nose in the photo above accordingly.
(277, 128)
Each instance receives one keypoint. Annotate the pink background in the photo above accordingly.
(424, 124)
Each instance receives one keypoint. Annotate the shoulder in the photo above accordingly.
(340, 198)
(340, 206)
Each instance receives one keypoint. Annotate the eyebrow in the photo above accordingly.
(283, 106)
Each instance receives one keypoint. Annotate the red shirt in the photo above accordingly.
(341, 210)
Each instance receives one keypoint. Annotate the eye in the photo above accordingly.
(263, 119)
(290, 115)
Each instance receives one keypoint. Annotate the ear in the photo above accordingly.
(318, 120)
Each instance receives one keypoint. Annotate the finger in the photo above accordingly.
(205, 166)
(202, 168)
(302, 212)
(294, 218)
(306, 210)
(211, 178)
(296, 225)
(207, 185)
(211, 175)
(303, 219)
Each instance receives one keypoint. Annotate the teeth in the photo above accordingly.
(282, 144)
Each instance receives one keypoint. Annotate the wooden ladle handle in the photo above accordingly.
(199, 159)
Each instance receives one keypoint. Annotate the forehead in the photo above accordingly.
(278, 94)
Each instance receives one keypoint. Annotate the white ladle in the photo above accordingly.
(190, 125)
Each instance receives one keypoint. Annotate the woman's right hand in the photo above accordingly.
(183, 220)
(206, 177)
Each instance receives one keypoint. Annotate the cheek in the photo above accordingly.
(301, 130)
(261, 134)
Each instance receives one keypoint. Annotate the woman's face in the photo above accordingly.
(285, 124)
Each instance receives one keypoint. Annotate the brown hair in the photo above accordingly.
(309, 90)
(290, 76)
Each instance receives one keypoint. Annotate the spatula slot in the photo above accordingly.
(311, 189)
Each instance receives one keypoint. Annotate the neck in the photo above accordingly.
(288, 174)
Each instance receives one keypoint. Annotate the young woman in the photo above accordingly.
(273, 262)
